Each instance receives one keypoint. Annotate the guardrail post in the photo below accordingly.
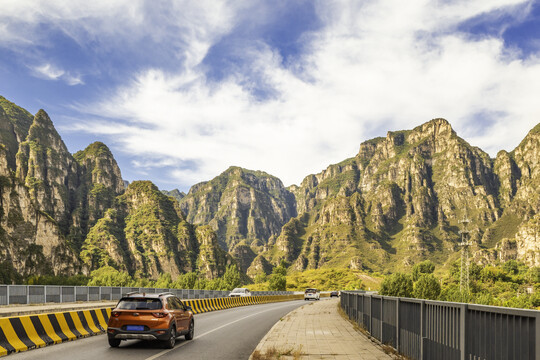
(370, 313)
(356, 296)
(382, 318)
(27, 294)
(422, 317)
(462, 330)
(397, 324)
(537, 343)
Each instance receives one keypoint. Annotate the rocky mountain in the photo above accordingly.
(177, 194)
(398, 201)
(145, 233)
(67, 214)
(245, 208)
(38, 180)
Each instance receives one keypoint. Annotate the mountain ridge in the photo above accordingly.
(396, 202)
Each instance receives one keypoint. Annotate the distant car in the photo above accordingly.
(334, 293)
(240, 292)
(312, 294)
(150, 317)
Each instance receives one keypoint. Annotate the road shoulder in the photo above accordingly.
(316, 331)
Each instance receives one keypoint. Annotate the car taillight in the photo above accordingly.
(116, 313)
(159, 314)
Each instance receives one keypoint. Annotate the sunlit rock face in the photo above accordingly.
(398, 201)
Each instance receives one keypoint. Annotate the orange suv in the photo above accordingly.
(150, 317)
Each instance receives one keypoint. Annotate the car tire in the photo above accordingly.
(191, 331)
(171, 341)
(114, 342)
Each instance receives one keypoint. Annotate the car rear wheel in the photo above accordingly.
(114, 342)
(171, 341)
(189, 335)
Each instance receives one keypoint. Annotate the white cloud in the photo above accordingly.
(373, 66)
(50, 72)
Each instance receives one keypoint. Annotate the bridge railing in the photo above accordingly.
(426, 330)
(39, 294)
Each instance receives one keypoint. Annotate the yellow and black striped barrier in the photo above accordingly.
(21, 333)
(204, 305)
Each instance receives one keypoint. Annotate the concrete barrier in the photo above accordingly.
(21, 333)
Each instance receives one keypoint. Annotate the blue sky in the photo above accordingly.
(181, 90)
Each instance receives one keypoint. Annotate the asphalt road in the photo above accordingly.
(230, 334)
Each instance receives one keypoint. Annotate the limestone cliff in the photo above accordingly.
(146, 234)
(33, 219)
(241, 206)
(49, 198)
(67, 214)
(212, 260)
(400, 199)
(100, 182)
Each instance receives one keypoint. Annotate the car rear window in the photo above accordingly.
(311, 291)
(139, 304)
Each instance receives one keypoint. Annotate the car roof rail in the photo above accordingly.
(131, 293)
(165, 293)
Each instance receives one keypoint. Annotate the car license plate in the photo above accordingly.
(135, 327)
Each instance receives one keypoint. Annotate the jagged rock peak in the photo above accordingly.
(240, 204)
(97, 148)
(177, 194)
(101, 166)
(527, 153)
(43, 131)
(143, 187)
(436, 126)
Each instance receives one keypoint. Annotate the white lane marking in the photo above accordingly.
(209, 332)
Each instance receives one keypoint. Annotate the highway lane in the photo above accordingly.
(226, 334)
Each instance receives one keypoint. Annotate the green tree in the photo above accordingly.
(427, 287)
(278, 279)
(277, 282)
(164, 281)
(231, 278)
(425, 267)
(260, 277)
(511, 267)
(186, 281)
(8, 275)
(397, 284)
(533, 275)
(216, 284)
(109, 276)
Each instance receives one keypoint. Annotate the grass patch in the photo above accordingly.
(274, 353)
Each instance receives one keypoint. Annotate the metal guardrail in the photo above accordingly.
(427, 330)
(39, 294)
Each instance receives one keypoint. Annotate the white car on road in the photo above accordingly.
(312, 294)
(240, 292)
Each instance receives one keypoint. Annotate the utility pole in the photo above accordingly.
(465, 257)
